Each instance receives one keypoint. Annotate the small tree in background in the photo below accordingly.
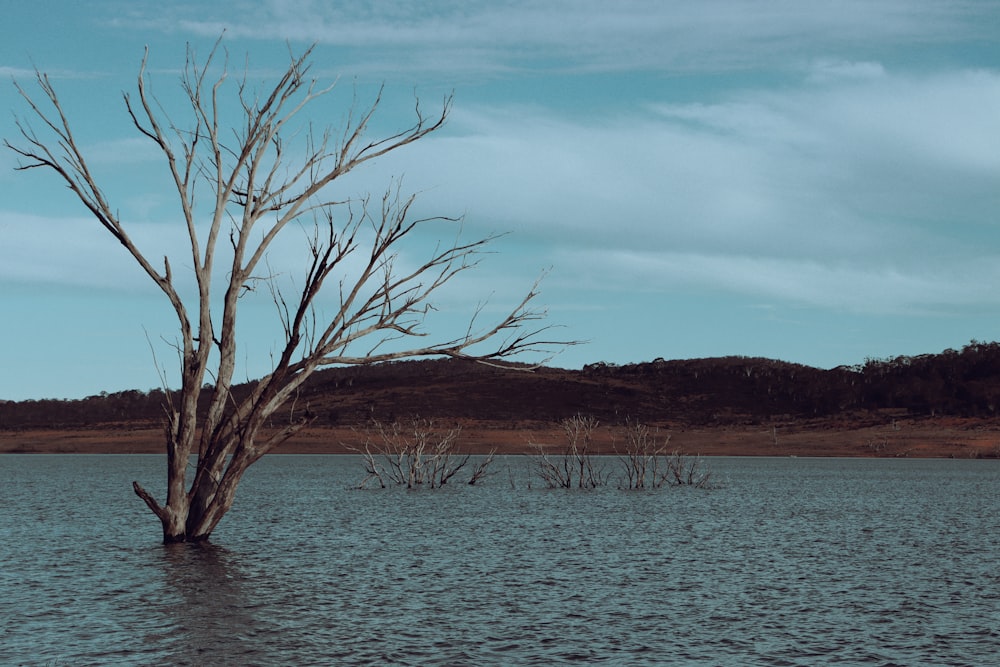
(269, 174)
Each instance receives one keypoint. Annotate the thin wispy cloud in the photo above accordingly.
(15, 72)
(866, 288)
(760, 158)
(581, 35)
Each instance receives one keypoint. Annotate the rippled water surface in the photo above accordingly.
(790, 562)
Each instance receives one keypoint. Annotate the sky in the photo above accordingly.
(808, 181)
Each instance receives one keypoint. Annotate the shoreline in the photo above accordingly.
(916, 438)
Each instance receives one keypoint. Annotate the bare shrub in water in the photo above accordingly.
(647, 464)
(686, 470)
(575, 466)
(416, 455)
(644, 458)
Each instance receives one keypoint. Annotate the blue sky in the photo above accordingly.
(809, 181)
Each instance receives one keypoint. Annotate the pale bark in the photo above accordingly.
(260, 185)
(418, 454)
(576, 460)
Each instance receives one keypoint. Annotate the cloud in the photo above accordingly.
(8, 72)
(580, 35)
(85, 256)
(857, 287)
(853, 174)
(850, 181)
(753, 161)
(827, 70)
(124, 151)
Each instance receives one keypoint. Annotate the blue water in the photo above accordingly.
(788, 562)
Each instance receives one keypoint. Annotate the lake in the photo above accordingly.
(790, 561)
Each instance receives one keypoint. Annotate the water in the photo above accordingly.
(791, 562)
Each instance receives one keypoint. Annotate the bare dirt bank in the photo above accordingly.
(942, 437)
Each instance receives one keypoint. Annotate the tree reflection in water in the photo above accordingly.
(212, 616)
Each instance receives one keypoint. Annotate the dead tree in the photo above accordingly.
(683, 470)
(575, 465)
(239, 188)
(648, 464)
(644, 457)
(481, 470)
(416, 455)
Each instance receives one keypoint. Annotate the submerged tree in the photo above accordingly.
(258, 183)
(576, 460)
(417, 453)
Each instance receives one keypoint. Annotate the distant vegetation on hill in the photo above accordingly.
(717, 391)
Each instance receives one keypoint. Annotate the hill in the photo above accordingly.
(725, 396)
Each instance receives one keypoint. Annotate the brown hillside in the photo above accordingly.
(942, 405)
